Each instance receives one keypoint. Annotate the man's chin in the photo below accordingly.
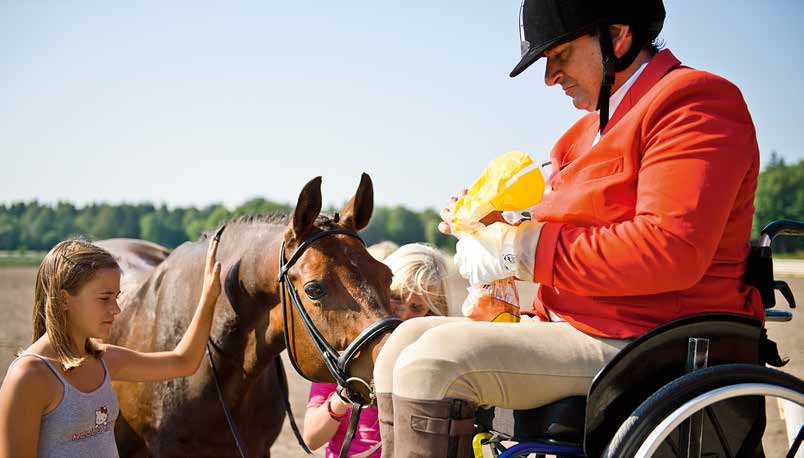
(582, 104)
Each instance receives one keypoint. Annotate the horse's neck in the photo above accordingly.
(159, 307)
(250, 266)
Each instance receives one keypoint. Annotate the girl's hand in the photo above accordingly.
(212, 271)
(134, 366)
(338, 405)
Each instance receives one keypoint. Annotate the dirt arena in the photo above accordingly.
(16, 286)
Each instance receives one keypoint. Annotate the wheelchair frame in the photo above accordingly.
(602, 408)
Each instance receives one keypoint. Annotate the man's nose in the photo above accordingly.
(552, 73)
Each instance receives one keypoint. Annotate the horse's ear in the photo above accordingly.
(308, 207)
(357, 212)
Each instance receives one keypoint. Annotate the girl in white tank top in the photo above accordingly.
(54, 402)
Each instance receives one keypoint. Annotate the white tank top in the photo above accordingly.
(83, 423)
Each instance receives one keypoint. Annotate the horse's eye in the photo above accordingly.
(315, 290)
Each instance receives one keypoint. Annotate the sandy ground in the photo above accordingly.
(16, 285)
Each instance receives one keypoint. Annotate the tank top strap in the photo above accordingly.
(107, 377)
(49, 365)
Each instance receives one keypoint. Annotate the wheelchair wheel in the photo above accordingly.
(725, 404)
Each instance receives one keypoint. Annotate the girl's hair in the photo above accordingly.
(421, 269)
(382, 250)
(67, 267)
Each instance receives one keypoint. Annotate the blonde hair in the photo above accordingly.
(67, 267)
(420, 269)
(382, 250)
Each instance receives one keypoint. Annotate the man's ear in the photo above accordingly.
(621, 39)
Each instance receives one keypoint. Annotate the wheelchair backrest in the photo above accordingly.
(657, 358)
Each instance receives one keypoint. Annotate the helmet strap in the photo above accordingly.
(609, 65)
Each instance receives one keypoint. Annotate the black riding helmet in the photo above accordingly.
(544, 24)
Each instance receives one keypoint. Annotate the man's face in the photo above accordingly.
(577, 67)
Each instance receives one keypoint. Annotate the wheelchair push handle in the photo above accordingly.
(780, 227)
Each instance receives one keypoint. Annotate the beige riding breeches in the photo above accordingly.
(512, 365)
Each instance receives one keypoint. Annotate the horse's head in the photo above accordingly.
(341, 286)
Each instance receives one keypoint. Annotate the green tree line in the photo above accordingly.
(780, 195)
(35, 226)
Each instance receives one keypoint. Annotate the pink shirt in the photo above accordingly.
(368, 428)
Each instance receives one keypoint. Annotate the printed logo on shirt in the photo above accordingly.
(102, 425)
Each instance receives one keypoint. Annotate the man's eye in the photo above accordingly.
(315, 290)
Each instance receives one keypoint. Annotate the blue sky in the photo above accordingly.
(190, 103)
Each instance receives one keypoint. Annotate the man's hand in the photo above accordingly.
(488, 255)
(446, 215)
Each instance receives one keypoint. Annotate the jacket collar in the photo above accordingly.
(661, 64)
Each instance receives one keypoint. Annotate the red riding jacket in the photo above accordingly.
(651, 223)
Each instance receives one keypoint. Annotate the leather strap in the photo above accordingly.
(350, 432)
(232, 427)
(283, 385)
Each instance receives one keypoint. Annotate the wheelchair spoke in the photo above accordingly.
(796, 443)
(721, 435)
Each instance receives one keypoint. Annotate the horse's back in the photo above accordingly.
(136, 258)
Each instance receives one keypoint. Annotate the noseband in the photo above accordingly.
(336, 363)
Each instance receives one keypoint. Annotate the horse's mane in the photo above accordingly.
(323, 222)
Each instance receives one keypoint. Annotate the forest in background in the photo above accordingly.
(34, 226)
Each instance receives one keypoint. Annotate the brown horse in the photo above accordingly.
(343, 288)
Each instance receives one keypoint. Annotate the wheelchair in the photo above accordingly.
(694, 387)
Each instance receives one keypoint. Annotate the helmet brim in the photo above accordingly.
(527, 60)
(537, 53)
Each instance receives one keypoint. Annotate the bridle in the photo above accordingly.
(336, 364)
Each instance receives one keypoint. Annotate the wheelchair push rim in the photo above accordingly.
(678, 416)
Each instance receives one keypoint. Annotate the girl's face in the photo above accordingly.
(408, 305)
(93, 309)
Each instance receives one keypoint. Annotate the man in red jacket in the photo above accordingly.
(648, 220)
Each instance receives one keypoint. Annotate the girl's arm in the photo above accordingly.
(319, 427)
(24, 396)
(133, 366)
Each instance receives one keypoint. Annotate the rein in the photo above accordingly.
(336, 363)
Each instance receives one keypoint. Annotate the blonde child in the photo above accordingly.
(57, 399)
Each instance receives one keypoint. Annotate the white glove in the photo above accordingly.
(488, 254)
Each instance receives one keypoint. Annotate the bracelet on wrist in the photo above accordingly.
(332, 414)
